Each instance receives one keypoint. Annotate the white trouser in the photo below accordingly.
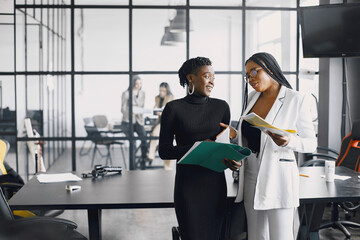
(273, 224)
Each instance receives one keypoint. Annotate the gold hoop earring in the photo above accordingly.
(193, 89)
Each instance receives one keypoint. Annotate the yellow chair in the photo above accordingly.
(35, 228)
(11, 182)
(4, 149)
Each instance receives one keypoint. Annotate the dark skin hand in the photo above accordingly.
(281, 141)
(232, 164)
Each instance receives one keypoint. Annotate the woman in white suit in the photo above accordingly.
(271, 177)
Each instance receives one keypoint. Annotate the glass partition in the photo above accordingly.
(6, 47)
(217, 34)
(151, 51)
(273, 32)
(98, 95)
(216, 2)
(101, 40)
(271, 3)
(116, 40)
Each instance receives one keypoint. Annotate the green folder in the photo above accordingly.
(212, 154)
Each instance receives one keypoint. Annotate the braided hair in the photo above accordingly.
(192, 66)
(269, 64)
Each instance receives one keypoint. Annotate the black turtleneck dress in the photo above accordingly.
(200, 193)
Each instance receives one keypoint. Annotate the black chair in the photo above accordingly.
(346, 158)
(97, 133)
(11, 182)
(83, 151)
(34, 228)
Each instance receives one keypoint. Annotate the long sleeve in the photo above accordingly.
(167, 150)
(305, 140)
(226, 117)
(189, 120)
(140, 101)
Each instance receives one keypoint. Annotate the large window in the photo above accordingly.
(70, 68)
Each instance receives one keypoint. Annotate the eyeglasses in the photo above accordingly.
(253, 73)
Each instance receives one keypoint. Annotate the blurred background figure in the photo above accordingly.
(138, 101)
(161, 100)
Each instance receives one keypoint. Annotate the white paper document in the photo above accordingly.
(57, 177)
(224, 136)
(264, 126)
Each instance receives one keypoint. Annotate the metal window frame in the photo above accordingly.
(62, 75)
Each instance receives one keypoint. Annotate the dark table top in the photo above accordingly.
(315, 188)
(130, 189)
(154, 189)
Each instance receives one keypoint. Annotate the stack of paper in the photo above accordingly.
(57, 177)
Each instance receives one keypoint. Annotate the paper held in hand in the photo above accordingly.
(264, 126)
(211, 155)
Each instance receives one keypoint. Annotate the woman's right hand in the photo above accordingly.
(233, 132)
(232, 164)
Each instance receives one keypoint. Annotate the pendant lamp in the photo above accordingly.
(178, 24)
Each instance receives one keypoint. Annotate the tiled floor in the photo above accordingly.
(141, 224)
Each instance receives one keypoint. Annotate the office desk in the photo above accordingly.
(315, 192)
(154, 189)
(131, 189)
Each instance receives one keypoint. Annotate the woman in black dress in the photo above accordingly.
(200, 193)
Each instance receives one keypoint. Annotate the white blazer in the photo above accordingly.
(277, 183)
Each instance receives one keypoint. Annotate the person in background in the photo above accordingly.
(199, 193)
(161, 100)
(271, 176)
(138, 101)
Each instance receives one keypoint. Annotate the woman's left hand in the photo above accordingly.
(232, 164)
(233, 132)
(281, 141)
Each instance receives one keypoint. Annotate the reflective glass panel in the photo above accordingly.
(216, 2)
(101, 2)
(306, 3)
(7, 109)
(6, 48)
(154, 47)
(273, 32)
(98, 95)
(20, 43)
(6, 6)
(160, 2)
(217, 34)
(271, 3)
(102, 40)
(33, 46)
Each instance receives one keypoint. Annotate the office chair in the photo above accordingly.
(87, 122)
(34, 228)
(96, 134)
(349, 157)
(11, 182)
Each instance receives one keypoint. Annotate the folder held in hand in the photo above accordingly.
(211, 155)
